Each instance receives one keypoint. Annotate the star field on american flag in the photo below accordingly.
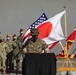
(40, 20)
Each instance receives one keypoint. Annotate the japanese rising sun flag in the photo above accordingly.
(49, 30)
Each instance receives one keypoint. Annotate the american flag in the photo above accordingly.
(40, 20)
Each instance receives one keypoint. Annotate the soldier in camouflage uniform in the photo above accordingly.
(20, 39)
(34, 44)
(11, 45)
(16, 51)
(3, 53)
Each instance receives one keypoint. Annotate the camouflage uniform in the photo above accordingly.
(3, 53)
(35, 47)
(20, 39)
(34, 44)
(11, 45)
(16, 51)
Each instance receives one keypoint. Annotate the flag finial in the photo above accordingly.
(42, 10)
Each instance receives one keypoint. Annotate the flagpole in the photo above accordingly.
(65, 28)
(61, 45)
(67, 61)
(65, 25)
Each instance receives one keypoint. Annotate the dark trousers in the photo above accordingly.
(9, 64)
(39, 64)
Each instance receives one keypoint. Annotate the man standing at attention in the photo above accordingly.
(16, 52)
(10, 44)
(3, 53)
(20, 39)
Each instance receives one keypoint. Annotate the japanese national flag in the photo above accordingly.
(51, 31)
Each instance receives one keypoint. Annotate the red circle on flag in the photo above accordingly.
(44, 30)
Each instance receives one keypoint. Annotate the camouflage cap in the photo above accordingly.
(8, 35)
(21, 30)
(14, 35)
(34, 31)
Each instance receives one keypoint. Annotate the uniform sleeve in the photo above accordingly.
(14, 44)
(18, 38)
(25, 46)
(20, 45)
(6, 48)
(45, 47)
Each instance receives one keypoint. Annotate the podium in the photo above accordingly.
(39, 64)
